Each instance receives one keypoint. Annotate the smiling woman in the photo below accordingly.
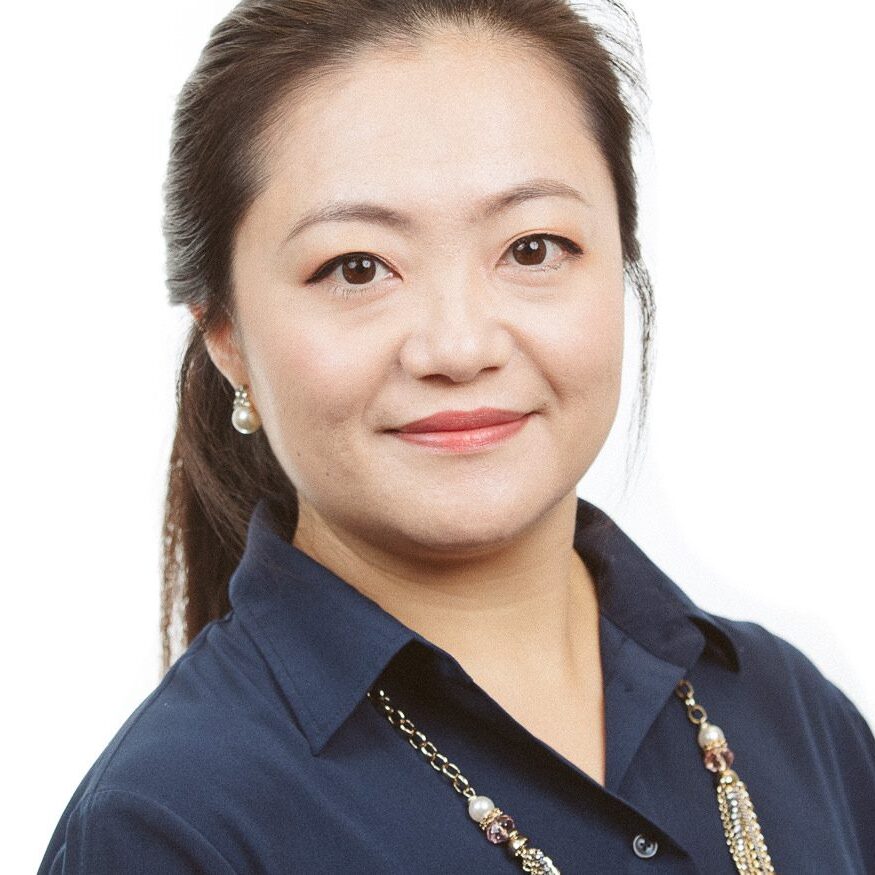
(404, 231)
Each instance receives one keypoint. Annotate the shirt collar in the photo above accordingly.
(643, 601)
(326, 643)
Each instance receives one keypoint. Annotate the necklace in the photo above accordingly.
(740, 825)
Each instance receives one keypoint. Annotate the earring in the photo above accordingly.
(244, 417)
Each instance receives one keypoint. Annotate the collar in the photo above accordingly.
(643, 601)
(326, 643)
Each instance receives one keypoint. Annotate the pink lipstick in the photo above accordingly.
(459, 430)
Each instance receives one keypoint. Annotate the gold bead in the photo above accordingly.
(516, 842)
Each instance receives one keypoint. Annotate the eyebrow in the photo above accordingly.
(493, 205)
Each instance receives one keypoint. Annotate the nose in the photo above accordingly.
(458, 333)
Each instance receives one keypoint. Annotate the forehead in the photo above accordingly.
(458, 117)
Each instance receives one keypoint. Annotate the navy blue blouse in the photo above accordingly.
(259, 751)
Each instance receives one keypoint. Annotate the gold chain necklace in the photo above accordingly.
(740, 825)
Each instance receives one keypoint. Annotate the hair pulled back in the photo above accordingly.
(264, 53)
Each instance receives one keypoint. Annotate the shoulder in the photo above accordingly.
(774, 660)
(109, 828)
(786, 689)
(181, 764)
(214, 711)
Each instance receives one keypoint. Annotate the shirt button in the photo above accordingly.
(644, 847)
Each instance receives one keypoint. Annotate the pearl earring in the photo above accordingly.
(244, 417)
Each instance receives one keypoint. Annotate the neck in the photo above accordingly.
(526, 613)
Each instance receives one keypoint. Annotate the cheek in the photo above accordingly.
(583, 350)
(317, 380)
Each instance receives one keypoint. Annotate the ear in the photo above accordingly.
(223, 349)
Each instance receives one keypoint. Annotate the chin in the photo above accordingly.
(464, 536)
(463, 526)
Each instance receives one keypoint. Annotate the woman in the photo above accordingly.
(402, 229)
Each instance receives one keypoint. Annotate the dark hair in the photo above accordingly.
(263, 53)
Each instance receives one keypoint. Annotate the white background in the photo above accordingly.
(756, 489)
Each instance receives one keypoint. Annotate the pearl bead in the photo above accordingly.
(245, 420)
(709, 734)
(479, 807)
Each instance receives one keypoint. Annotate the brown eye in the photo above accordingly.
(534, 251)
(354, 274)
(530, 251)
(359, 270)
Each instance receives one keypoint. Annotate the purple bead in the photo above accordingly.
(500, 829)
(717, 760)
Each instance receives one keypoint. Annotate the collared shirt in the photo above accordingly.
(260, 752)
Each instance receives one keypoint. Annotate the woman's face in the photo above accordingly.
(485, 272)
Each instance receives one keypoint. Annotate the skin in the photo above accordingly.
(473, 550)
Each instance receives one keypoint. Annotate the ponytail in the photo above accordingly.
(215, 479)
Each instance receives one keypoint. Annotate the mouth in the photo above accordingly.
(460, 431)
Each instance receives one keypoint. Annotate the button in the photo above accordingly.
(644, 847)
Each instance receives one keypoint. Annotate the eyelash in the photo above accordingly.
(571, 249)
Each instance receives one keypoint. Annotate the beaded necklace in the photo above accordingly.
(740, 826)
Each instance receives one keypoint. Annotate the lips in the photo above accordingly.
(460, 420)
(460, 431)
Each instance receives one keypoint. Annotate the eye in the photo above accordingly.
(533, 250)
(356, 269)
